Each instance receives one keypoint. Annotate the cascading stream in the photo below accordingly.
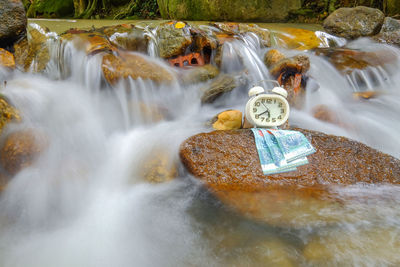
(85, 202)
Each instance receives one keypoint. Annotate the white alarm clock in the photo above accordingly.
(267, 110)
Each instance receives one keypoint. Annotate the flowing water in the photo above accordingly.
(85, 201)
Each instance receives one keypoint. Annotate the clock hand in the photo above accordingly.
(267, 111)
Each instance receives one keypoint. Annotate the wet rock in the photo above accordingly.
(355, 22)
(20, 149)
(367, 94)
(324, 113)
(172, 39)
(126, 36)
(159, 167)
(6, 59)
(292, 38)
(290, 73)
(228, 120)
(272, 57)
(123, 65)
(235, 10)
(90, 42)
(12, 22)
(228, 163)
(378, 246)
(32, 54)
(199, 74)
(231, 29)
(7, 114)
(297, 64)
(390, 25)
(221, 85)
(346, 60)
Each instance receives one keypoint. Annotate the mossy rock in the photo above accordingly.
(51, 8)
(228, 10)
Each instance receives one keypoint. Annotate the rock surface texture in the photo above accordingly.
(355, 22)
(12, 22)
(228, 163)
(234, 10)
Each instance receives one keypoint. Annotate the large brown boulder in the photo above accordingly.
(12, 22)
(228, 163)
(354, 22)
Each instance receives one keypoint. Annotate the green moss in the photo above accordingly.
(51, 8)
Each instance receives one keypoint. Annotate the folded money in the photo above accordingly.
(275, 151)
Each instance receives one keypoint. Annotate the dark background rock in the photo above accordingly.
(12, 22)
(234, 10)
(355, 22)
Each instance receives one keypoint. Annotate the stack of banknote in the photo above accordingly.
(281, 150)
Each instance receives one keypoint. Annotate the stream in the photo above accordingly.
(85, 202)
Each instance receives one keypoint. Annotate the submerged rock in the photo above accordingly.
(20, 149)
(91, 42)
(7, 59)
(123, 65)
(228, 120)
(354, 22)
(221, 85)
(7, 114)
(12, 22)
(228, 163)
(300, 39)
(159, 167)
(378, 246)
(199, 74)
(346, 60)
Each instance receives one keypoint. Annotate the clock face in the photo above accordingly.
(267, 110)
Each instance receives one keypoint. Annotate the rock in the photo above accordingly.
(390, 25)
(346, 60)
(272, 57)
(12, 22)
(50, 8)
(123, 65)
(199, 74)
(292, 38)
(32, 54)
(7, 59)
(263, 34)
(221, 85)
(235, 10)
(159, 167)
(91, 42)
(324, 113)
(367, 94)
(355, 22)
(228, 120)
(390, 32)
(290, 73)
(126, 36)
(228, 163)
(7, 114)
(172, 40)
(20, 149)
(297, 64)
(378, 247)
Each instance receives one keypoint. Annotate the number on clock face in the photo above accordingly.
(268, 110)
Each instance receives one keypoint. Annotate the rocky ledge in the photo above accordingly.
(228, 163)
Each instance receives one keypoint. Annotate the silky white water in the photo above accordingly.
(84, 202)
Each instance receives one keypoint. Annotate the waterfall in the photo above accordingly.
(86, 201)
